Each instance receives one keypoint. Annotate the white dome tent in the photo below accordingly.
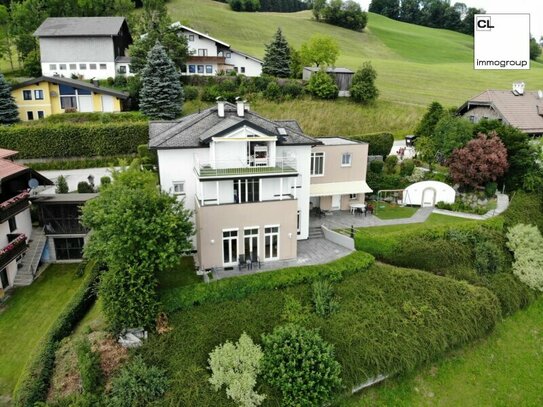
(428, 193)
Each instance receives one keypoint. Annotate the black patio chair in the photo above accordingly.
(255, 259)
(242, 262)
(359, 211)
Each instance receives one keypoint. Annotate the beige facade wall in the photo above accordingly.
(346, 201)
(481, 112)
(212, 220)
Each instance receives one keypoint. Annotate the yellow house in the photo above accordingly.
(44, 96)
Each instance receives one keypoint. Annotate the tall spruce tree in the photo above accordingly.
(161, 94)
(8, 108)
(277, 58)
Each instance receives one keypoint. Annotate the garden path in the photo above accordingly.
(501, 205)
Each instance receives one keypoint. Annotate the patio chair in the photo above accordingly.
(359, 211)
(242, 262)
(369, 209)
(255, 259)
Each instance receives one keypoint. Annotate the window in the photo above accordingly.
(27, 94)
(12, 224)
(179, 187)
(271, 242)
(68, 102)
(242, 69)
(202, 52)
(472, 119)
(191, 37)
(53, 67)
(62, 67)
(122, 69)
(103, 66)
(246, 190)
(4, 278)
(317, 164)
(41, 114)
(200, 69)
(209, 69)
(250, 240)
(92, 66)
(192, 68)
(346, 160)
(353, 197)
(230, 247)
(299, 222)
(73, 66)
(69, 248)
(83, 66)
(236, 68)
(220, 53)
(38, 94)
(30, 115)
(228, 54)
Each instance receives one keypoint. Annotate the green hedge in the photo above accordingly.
(74, 140)
(80, 163)
(99, 117)
(525, 208)
(240, 287)
(380, 143)
(33, 384)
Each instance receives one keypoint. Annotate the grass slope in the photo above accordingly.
(27, 316)
(504, 369)
(416, 65)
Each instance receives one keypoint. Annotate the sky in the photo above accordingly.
(534, 7)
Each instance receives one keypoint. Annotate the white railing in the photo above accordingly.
(247, 166)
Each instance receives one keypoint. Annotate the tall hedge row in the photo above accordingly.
(74, 140)
(33, 384)
(380, 143)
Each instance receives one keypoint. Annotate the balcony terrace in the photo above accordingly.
(250, 167)
(16, 246)
(13, 206)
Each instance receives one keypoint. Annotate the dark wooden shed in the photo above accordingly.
(342, 76)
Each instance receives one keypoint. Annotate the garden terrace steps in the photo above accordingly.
(25, 275)
(316, 233)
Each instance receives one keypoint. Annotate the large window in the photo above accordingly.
(69, 248)
(68, 102)
(209, 69)
(271, 243)
(192, 68)
(38, 94)
(230, 247)
(317, 164)
(346, 160)
(200, 69)
(246, 190)
(27, 94)
(250, 236)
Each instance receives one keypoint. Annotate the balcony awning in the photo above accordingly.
(339, 188)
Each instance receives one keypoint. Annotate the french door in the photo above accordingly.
(230, 247)
(271, 243)
(250, 241)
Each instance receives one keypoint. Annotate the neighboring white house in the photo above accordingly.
(89, 47)
(248, 180)
(210, 56)
(428, 193)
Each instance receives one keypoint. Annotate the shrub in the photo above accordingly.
(237, 366)
(524, 208)
(74, 140)
(363, 89)
(240, 287)
(322, 85)
(89, 366)
(292, 89)
(105, 180)
(191, 92)
(525, 241)
(273, 91)
(407, 167)
(300, 365)
(83, 187)
(61, 185)
(33, 383)
(390, 164)
(487, 258)
(294, 312)
(137, 385)
(120, 81)
(79, 117)
(379, 143)
(511, 292)
(323, 298)
(378, 182)
(490, 189)
(376, 166)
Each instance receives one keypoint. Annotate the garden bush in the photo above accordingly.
(33, 383)
(525, 241)
(237, 366)
(61, 185)
(378, 182)
(300, 365)
(390, 164)
(511, 292)
(137, 385)
(292, 89)
(379, 143)
(524, 208)
(324, 302)
(83, 187)
(88, 363)
(99, 117)
(407, 167)
(240, 287)
(376, 166)
(490, 189)
(191, 92)
(322, 85)
(273, 92)
(74, 140)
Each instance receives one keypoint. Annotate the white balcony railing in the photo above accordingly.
(247, 166)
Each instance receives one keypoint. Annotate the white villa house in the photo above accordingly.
(249, 180)
(89, 47)
(209, 56)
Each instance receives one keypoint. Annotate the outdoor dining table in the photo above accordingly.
(353, 207)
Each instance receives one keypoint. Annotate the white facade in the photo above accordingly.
(23, 224)
(428, 193)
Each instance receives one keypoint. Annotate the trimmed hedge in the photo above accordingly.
(80, 163)
(33, 384)
(78, 117)
(74, 140)
(525, 208)
(380, 143)
(240, 287)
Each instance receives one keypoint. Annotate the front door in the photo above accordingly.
(4, 278)
(428, 197)
(230, 247)
(251, 242)
(336, 202)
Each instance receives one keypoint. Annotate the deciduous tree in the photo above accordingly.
(319, 50)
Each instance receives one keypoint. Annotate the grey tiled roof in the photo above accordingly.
(79, 27)
(76, 83)
(196, 130)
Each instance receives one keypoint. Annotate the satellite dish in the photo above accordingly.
(33, 183)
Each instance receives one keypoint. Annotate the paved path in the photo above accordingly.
(501, 206)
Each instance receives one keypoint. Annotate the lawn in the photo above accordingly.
(505, 369)
(384, 210)
(27, 316)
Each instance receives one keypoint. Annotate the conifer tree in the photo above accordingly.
(277, 58)
(8, 108)
(161, 94)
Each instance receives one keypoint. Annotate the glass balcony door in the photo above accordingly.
(271, 243)
(230, 247)
(250, 241)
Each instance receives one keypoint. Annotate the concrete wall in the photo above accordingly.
(338, 238)
(212, 220)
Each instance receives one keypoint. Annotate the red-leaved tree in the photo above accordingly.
(481, 160)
